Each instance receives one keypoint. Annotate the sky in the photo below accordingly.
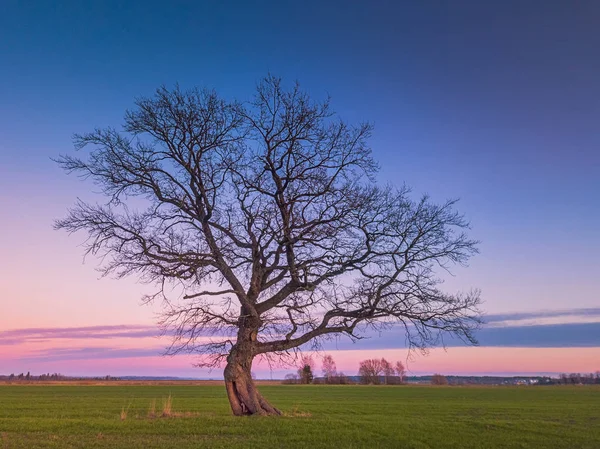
(495, 103)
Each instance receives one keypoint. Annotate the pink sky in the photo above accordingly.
(142, 358)
(45, 284)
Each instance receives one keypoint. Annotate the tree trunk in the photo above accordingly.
(243, 395)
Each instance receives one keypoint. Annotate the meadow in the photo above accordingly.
(316, 416)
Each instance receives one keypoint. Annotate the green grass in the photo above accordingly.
(325, 417)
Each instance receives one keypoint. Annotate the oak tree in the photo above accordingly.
(263, 228)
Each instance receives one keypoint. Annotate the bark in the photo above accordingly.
(244, 397)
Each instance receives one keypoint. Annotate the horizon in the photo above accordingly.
(67, 378)
(495, 104)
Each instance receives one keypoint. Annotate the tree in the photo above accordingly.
(575, 378)
(387, 371)
(563, 378)
(400, 371)
(263, 229)
(306, 369)
(290, 379)
(305, 374)
(439, 379)
(370, 371)
(329, 369)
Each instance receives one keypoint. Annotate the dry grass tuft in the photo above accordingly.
(152, 409)
(167, 409)
(124, 412)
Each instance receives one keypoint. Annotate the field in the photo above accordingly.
(417, 417)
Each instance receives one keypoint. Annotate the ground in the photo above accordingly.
(317, 416)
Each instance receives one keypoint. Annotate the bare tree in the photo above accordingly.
(329, 368)
(291, 379)
(263, 228)
(439, 379)
(387, 370)
(400, 371)
(563, 378)
(370, 371)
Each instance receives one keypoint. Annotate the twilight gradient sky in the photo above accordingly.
(497, 103)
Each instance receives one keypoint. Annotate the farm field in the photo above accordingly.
(417, 417)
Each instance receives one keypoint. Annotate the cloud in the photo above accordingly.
(10, 341)
(90, 353)
(540, 318)
(564, 335)
(544, 329)
(567, 335)
(37, 335)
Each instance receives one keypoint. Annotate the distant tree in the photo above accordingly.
(387, 371)
(341, 379)
(370, 371)
(306, 369)
(264, 230)
(563, 378)
(400, 371)
(307, 360)
(28, 376)
(305, 374)
(291, 379)
(438, 379)
(329, 369)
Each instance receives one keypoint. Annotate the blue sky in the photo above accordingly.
(495, 103)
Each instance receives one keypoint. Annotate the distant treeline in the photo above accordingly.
(22, 377)
(381, 371)
(366, 378)
(439, 379)
(562, 379)
(578, 378)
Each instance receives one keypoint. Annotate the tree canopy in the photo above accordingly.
(264, 229)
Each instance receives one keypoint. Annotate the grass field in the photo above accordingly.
(417, 417)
